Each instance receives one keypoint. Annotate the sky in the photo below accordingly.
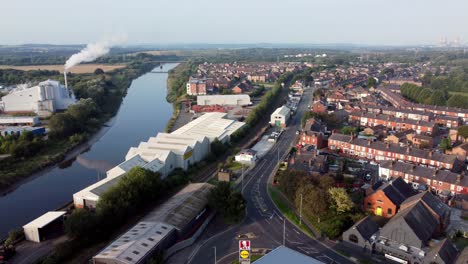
(374, 22)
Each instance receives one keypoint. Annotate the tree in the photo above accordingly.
(437, 98)
(98, 71)
(463, 131)
(340, 200)
(230, 204)
(371, 82)
(61, 125)
(348, 130)
(314, 200)
(80, 223)
(424, 95)
(445, 144)
(458, 101)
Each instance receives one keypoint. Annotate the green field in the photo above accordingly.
(459, 93)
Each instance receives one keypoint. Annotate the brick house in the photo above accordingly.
(319, 107)
(386, 200)
(420, 141)
(196, 86)
(312, 138)
(439, 181)
(461, 151)
(393, 123)
(387, 151)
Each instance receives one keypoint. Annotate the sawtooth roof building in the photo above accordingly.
(165, 152)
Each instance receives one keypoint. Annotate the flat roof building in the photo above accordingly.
(38, 229)
(229, 99)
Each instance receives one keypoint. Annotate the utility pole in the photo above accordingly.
(215, 255)
(300, 212)
(284, 232)
(242, 179)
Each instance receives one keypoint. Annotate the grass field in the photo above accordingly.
(459, 93)
(83, 68)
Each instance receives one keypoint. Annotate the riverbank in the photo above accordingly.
(15, 171)
(69, 156)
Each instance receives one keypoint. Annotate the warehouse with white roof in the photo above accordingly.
(165, 152)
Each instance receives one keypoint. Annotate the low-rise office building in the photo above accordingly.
(19, 120)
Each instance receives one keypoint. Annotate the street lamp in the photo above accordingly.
(215, 255)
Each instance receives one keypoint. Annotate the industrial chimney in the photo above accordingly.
(65, 75)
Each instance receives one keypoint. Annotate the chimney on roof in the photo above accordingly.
(387, 145)
(430, 153)
(408, 149)
(368, 142)
(434, 173)
(412, 168)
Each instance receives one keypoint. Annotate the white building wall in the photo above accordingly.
(47, 96)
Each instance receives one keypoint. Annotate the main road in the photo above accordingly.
(263, 221)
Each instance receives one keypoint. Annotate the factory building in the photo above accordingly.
(231, 99)
(47, 97)
(280, 117)
(19, 121)
(175, 220)
(164, 153)
(212, 125)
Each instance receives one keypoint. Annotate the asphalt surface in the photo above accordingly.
(263, 221)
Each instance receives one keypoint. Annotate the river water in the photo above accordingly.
(144, 112)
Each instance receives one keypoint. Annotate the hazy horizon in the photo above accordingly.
(163, 22)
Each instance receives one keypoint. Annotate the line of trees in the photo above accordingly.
(264, 107)
(135, 192)
(228, 202)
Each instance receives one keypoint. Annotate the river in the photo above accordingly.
(144, 112)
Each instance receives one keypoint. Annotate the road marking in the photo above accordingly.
(309, 250)
(296, 231)
(326, 259)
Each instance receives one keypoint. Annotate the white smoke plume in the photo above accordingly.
(93, 51)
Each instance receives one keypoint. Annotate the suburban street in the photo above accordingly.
(264, 223)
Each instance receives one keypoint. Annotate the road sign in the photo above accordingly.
(244, 254)
(244, 245)
(244, 251)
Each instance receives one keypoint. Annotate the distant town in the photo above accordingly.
(309, 156)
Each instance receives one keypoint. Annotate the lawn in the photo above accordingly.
(286, 209)
(459, 93)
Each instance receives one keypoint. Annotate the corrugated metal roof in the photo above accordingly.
(44, 219)
(136, 243)
(181, 208)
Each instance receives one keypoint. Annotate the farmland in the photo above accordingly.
(83, 68)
